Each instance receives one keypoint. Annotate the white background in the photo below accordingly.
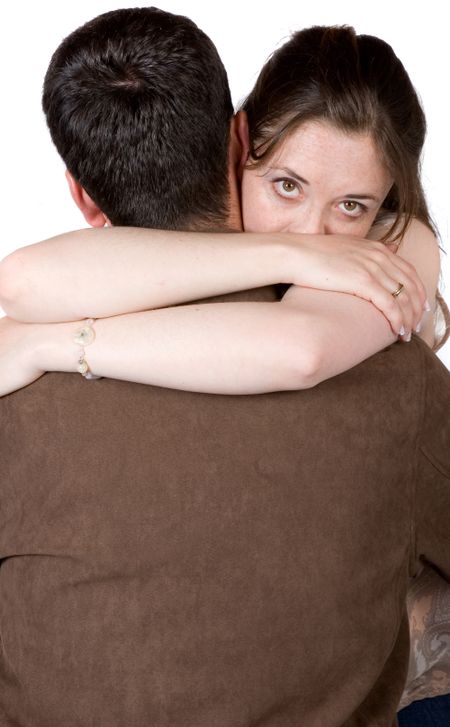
(35, 200)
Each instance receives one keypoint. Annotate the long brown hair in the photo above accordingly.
(357, 84)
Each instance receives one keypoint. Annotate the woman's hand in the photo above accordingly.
(19, 343)
(365, 268)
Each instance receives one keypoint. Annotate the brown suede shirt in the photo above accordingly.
(184, 560)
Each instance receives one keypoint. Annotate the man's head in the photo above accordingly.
(138, 105)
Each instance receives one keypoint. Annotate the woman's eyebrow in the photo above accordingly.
(363, 196)
(291, 173)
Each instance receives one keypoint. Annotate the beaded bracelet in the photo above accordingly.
(84, 337)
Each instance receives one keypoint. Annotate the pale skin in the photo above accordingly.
(316, 331)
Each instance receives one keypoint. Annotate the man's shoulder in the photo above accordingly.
(408, 362)
(53, 387)
(66, 395)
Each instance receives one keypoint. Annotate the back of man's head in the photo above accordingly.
(138, 105)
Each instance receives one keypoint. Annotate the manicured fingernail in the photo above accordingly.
(408, 337)
(402, 331)
(427, 306)
(418, 327)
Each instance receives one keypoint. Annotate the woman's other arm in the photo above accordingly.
(100, 273)
(108, 271)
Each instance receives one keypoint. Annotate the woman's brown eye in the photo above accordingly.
(288, 186)
(350, 207)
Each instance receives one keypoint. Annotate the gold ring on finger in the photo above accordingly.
(398, 291)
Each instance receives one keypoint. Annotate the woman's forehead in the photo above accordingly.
(329, 154)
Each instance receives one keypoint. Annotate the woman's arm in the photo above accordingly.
(100, 273)
(220, 348)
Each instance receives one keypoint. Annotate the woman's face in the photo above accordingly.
(320, 180)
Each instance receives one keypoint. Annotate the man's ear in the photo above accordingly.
(236, 159)
(91, 212)
(241, 132)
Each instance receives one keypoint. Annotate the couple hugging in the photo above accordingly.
(223, 530)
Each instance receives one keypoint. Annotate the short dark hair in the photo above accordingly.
(138, 105)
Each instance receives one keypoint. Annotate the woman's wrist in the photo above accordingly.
(292, 253)
(265, 258)
(54, 348)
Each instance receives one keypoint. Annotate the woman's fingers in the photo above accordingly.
(398, 314)
(395, 288)
(409, 293)
(367, 269)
